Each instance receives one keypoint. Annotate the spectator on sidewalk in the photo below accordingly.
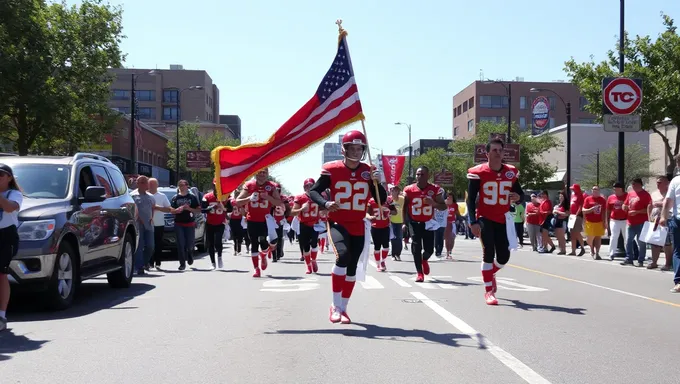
(517, 210)
(545, 209)
(636, 204)
(594, 209)
(11, 199)
(672, 203)
(655, 209)
(576, 210)
(561, 214)
(145, 207)
(618, 225)
(162, 207)
(533, 219)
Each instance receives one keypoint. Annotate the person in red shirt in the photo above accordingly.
(259, 195)
(545, 210)
(380, 230)
(238, 234)
(636, 204)
(450, 231)
(307, 212)
(279, 213)
(497, 185)
(594, 209)
(533, 220)
(420, 200)
(561, 214)
(575, 209)
(616, 217)
(352, 183)
(214, 226)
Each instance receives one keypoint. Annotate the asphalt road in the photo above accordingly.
(561, 319)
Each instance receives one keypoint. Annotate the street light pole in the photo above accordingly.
(410, 152)
(133, 113)
(622, 158)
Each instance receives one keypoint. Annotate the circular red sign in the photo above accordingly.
(622, 96)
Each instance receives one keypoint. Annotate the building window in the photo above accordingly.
(146, 113)
(522, 122)
(552, 122)
(170, 113)
(170, 95)
(123, 110)
(553, 101)
(493, 119)
(455, 131)
(582, 102)
(471, 102)
(455, 113)
(465, 106)
(522, 102)
(493, 101)
(145, 95)
(586, 121)
(120, 94)
(471, 125)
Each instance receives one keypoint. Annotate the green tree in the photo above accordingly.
(637, 161)
(657, 63)
(190, 140)
(53, 72)
(533, 171)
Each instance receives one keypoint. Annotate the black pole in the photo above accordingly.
(133, 113)
(509, 140)
(179, 93)
(621, 69)
(598, 168)
(410, 155)
(568, 175)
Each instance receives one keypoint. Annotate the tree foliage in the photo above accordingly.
(637, 161)
(53, 72)
(657, 63)
(191, 140)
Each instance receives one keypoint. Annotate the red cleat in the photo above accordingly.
(490, 298)
(315, 266)
(426, 267)
(263, 261)
(344, 318)
(309, 269)
(334, 315)
(257, 273)
(420, 278)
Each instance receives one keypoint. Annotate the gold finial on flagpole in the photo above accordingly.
(339, 23)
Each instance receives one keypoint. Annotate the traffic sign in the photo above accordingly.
(621, 95)
(621, 123)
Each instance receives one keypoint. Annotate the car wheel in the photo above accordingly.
(122, 278)
(62, 286)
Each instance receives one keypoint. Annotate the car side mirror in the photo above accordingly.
(95, 194)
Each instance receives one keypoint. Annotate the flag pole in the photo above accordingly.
(370, 163)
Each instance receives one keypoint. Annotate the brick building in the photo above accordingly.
(488, 101)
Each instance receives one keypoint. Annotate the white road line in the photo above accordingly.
(521, 369)
(371, 283)
(400, 281)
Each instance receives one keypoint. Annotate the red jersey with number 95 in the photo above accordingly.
(310, 217)
(350, 189)
(494, 190)
(418, 210)
(382, 215)
(258, 209)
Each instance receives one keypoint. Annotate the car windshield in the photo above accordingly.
(43, 181)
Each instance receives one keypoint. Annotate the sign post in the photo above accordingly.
(621, 97)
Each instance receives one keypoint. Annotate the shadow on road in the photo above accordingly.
(90, 298)
(529, 307)
(11, 344)
(376, 332)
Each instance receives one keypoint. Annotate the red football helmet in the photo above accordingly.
(354, 137)
(308, 183)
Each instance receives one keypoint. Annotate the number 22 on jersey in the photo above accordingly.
(496, 192)
(418, 207)
(351, 196)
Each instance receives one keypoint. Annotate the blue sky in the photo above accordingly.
(410, 58)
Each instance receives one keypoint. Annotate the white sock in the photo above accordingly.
(3, 314)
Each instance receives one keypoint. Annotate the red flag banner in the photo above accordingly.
(334, 105)
(393, 167)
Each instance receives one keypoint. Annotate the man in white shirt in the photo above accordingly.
(162, 207)
(672, 203)
(11, 199)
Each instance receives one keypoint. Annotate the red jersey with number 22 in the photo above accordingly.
(418, 210)
(494, 190)
(258, 209)
(350, 189)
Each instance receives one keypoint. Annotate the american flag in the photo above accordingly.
(334, 105)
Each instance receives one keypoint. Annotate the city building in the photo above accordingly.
(488, 101)
(332, 151)
(586, 140)
(423, 145)
(162, 94)
(234, 124)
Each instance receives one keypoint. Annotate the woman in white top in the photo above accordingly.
(10, 204)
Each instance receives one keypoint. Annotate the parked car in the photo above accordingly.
(77, 222)
(169, 239)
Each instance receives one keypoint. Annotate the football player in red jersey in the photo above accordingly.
(280, 212)
(420, 200)
(215, 218)
(259, 195)
(308, 214)
(351, 184)
(496, 185)
(380, 230)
